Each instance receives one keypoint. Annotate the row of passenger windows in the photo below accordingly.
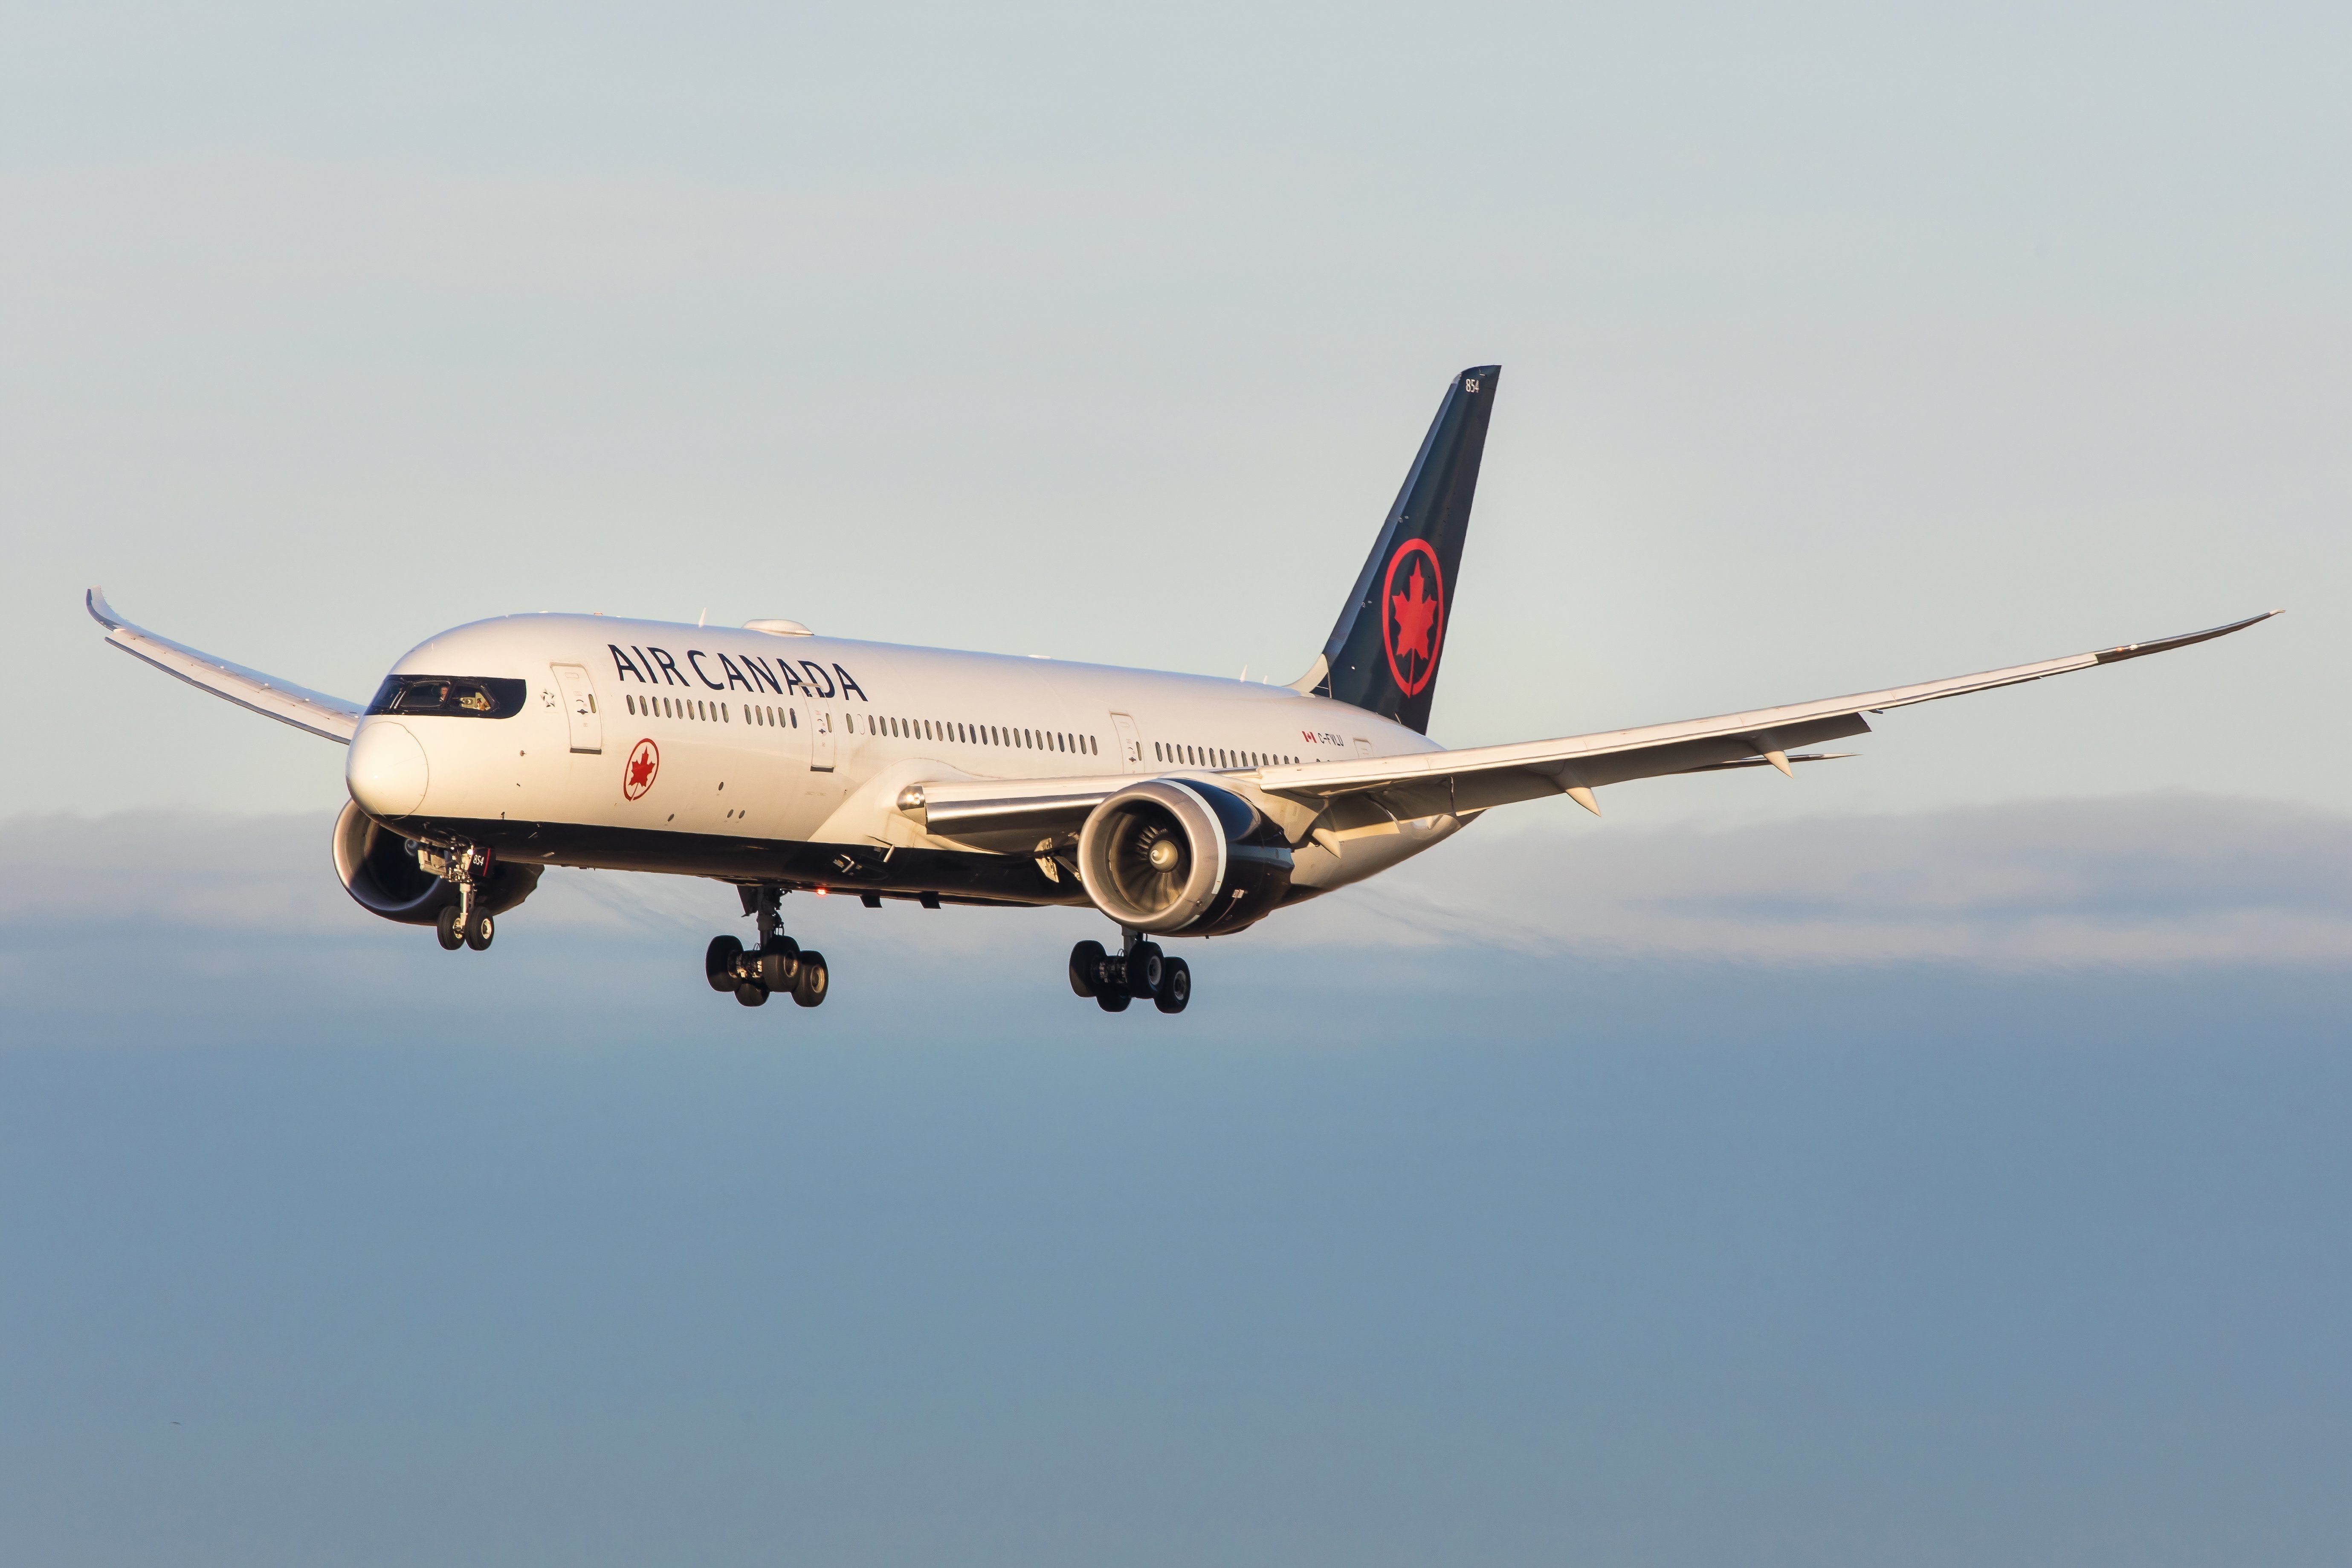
(711, 712)
(965, 734)
(1214, 756)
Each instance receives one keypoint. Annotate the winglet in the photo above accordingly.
(2166, 645)
(99, 610)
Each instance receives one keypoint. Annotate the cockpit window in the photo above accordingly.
(455, 696)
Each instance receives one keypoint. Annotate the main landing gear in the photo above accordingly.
(1140, 973)
(776, 965)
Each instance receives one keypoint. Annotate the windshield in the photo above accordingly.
(457, 696)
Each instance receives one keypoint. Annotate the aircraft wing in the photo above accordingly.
(1371, 793)
(321, 715)
(1431, 782)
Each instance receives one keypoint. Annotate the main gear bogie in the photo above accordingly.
(1140, 972)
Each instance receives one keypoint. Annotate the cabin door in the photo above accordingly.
(580, 709)
(1130, 746)
(820, 741)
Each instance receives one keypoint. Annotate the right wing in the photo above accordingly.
(330, 718)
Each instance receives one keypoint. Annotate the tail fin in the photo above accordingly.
(1382, 656)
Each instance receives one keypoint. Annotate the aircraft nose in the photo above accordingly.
(385, 772)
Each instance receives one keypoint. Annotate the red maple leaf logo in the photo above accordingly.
(1416, 617)
(637, 775)
(1413, 628)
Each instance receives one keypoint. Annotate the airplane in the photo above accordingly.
(780, 760)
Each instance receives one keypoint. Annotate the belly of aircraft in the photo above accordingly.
(951, 875)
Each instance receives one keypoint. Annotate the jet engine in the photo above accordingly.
(1183, 857)
(380, 871)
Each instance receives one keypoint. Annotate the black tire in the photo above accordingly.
(719, 962)
(780, 963)
(1175, 986)
(1112, 1001)
(445, 926)
(1144, 968)
(1085, 963)
(813, 982)
(478, 935)
(751, 993)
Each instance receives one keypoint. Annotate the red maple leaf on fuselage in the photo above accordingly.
(641, 768)
(1416, 618)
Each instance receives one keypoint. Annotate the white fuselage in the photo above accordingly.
(661, 746)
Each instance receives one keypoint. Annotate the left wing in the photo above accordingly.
(1365, 792)
(330, 718)
(1453, 782)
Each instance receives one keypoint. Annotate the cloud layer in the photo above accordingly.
(2151, 882)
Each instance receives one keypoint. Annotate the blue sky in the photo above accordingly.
(1935, 1158)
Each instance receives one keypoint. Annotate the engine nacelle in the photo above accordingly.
(1180, 858)
(383, 877)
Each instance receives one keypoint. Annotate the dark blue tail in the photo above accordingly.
(1383, 654)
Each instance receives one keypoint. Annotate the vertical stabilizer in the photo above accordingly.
(1383, 654)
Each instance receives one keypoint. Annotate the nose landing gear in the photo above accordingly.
(777, 965)
(1138, 972)
(457, 929)
(463, 923)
